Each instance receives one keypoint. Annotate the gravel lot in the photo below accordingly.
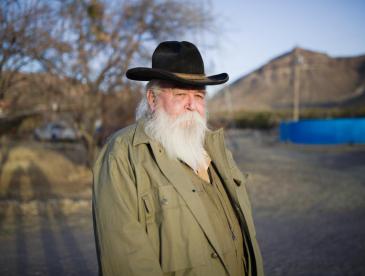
(309, 208)
(309, 204)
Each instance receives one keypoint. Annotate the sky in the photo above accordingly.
(250, 33)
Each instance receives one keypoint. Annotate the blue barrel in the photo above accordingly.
(324, 131)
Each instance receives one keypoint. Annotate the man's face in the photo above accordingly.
(176, 100)
(178, 122)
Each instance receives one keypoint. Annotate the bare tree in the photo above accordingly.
(107, 37)
(25, 35)
(89, 44)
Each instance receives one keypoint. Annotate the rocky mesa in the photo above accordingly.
(322, 82)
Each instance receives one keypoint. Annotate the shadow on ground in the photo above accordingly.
(42, 232)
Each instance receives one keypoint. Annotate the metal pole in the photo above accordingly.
(298, 60)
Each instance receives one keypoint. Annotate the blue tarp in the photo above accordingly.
(331, 131)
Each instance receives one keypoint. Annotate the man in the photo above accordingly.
(168, 198)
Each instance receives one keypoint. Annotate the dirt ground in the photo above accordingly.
(308, 202)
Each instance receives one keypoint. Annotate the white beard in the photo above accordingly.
(182, 137)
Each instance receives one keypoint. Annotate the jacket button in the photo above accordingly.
(164, 201)
(214, 255)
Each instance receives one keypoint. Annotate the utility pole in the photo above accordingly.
(228, 102)
(297, 61)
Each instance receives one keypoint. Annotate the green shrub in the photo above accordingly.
(271, 119)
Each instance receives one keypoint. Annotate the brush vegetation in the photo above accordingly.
(271, 119)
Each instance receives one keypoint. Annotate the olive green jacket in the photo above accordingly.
(148, 218)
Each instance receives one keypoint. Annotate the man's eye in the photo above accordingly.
(199, 96)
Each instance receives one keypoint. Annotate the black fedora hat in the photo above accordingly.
(178, 62)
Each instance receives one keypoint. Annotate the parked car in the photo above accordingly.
(56, 131)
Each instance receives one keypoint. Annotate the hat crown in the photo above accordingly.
(178, 57)
(179, 62)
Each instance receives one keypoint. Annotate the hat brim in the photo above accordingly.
(147, 74)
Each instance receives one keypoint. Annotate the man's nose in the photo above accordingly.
(191, 104)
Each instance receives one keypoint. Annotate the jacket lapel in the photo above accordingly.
(187, 191)
(215, 147)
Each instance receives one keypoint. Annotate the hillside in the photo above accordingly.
(323, 81)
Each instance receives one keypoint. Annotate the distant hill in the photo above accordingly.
(324, 82)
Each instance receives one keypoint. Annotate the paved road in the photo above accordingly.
(308, 205)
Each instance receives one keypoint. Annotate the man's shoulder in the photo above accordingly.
(121, 139)
(123, 135)
(116, 147)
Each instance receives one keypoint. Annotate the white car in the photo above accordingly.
(55, 131)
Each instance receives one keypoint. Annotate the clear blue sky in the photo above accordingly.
(250, 33)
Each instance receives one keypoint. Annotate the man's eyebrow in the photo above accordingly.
(201, 92)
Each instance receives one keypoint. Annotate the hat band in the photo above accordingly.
(191, 76)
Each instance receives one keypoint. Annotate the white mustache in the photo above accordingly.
(189, 118)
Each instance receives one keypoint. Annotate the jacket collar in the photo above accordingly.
(214, 144)
(140, 136)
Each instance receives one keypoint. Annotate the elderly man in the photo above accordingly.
(168, 198)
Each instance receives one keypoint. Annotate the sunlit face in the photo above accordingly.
(178, 100)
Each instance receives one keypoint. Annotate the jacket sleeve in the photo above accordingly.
(123, 247)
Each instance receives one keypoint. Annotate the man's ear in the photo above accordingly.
(151, 99)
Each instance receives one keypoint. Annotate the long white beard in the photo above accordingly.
(182, 137)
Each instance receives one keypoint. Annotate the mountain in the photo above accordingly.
(322, 81)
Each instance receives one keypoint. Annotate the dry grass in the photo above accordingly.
(36, 171)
